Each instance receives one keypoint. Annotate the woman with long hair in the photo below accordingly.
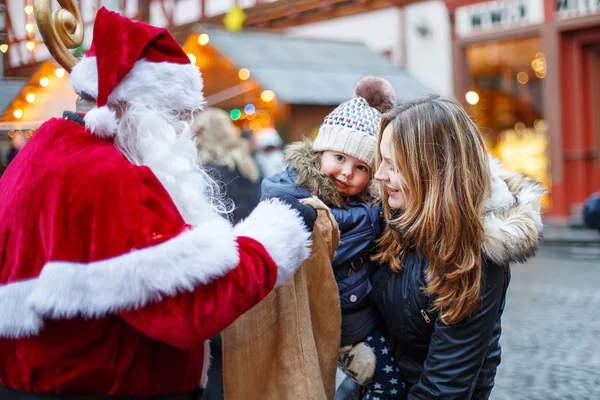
(455, 220)
(221, 149)
(228, 161)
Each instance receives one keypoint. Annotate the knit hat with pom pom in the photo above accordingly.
(352, 127)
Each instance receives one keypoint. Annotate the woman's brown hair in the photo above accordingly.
(441, 155)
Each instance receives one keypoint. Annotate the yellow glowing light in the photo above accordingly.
(59, 72)
(30, 45)
(18, 113)
(267, 96)
(30, 97)
(472, 97)
(522, 77)
(540, 125)
(244, 74)
(540, 74)
(3, 47)
(28, 10)
(265, 118)
(44, 82)
(29, 27)
(192, 58)
(203, 39)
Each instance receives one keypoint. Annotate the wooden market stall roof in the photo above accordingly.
(298, 70)
(45, 95)
(9, 89)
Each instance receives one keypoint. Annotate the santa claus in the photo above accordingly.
(115, 265)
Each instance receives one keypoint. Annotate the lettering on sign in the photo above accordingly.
(576, 8)
(493, 16)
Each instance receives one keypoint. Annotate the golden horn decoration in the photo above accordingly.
(61, 30)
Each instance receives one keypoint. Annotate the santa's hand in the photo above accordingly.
(284, 232)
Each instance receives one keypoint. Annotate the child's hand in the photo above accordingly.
(315, 203)
(308, 214)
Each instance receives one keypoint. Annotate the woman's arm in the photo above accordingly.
(462, 358)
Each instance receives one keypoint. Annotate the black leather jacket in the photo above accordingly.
(459, 361)
(440, 361)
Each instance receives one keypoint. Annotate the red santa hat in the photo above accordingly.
(132, 61)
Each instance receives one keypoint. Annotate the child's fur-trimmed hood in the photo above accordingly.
(305, 161)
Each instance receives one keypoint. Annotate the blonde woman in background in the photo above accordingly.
(456, 220)
(221, 148)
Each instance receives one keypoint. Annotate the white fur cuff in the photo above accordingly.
(17, 319)
(130, 281)
(283, 233)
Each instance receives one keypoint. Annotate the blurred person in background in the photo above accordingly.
(247, 137)
(591, 211)
(18, 142)
(269, 151)
(226, 154)
(221, 149)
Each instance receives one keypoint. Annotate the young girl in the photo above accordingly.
(337, 168)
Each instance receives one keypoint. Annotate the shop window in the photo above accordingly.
(507, 78)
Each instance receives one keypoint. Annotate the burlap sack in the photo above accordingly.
(287, 346)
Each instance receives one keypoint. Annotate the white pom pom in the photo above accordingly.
(101, 121)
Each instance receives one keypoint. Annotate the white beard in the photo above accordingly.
(163, 142)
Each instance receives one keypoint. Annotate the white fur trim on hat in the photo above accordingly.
(348, 141)
(158, 85)
(101, 121)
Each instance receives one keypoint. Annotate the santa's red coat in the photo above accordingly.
(104, 289)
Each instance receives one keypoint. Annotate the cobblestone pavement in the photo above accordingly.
(551, 330)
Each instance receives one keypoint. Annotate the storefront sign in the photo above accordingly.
(576, 8)
(499, 15)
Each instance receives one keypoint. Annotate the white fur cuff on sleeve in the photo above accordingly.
(282, 231)
(17, 319)
(134, 279)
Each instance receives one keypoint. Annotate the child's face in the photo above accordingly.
(349, 173)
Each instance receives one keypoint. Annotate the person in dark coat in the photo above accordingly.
(591, 211)
(223, 152)
(455, 221)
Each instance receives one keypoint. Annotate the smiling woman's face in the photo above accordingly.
(392, 179)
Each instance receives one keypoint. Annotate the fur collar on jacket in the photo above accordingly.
(305, 161)
(512, 217)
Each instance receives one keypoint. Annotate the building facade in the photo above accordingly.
(529, 72)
